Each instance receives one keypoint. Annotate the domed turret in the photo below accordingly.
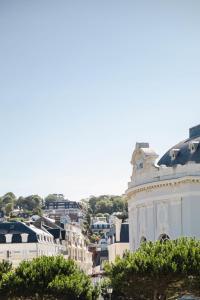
(185, 151)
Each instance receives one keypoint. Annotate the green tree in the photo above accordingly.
(118, 204)
(94, 238)
(9, 198)
(19, 202)
(8, 208)
(92, 204)
(107, 204)
(29, 203)
(104, 206)
(1, 203)
(47, 278)
(86, 225)
(5, 267)
(54, 197)
(99, 215)
(157, 270)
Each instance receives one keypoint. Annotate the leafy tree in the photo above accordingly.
(157, 270)
(29, 203)
(99, 215)
(37, 211)
(75, 286)
(54, 197)
(105, 284)
(104, 206)
(5, 267)
(47, 278)
(1, 203)
(19, 202)
(8, 208)
(118, 204)
(95, 238)
(86, 225)
(9, 198)
(92, 204)
(107, 204)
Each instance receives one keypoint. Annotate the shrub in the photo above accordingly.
(46, 278)
(157, 270)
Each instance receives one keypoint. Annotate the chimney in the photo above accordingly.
(194, 131)
(141, 145)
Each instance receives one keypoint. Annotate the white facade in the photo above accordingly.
(117, 249)
(77, 249)
(99, 224)
(17, 252)
(164, 202)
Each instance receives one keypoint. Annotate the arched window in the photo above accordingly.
(143, 240)
(164, 237)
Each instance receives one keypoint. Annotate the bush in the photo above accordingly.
(46, 278)
(157, 270)
(5, 267)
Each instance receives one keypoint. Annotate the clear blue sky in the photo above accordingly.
(82, 81)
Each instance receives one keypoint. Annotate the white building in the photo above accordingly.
(118, 239)
(64, 209)
(99, 224)
(76, 246)
(72, 239)
(20, 242)
(164, 198)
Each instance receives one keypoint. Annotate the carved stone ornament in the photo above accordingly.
(143, 157)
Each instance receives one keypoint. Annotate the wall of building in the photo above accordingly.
(77, 247)
(117, 249)
(168, 207)
(16, 252)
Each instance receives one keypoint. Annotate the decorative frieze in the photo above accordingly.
(152, 186)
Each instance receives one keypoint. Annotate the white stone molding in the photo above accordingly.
(147, 187)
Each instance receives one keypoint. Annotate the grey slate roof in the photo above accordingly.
(184, 155)
(17, 228)
(57, 231)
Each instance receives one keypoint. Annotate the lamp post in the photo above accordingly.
(191, 278)
(109, 291)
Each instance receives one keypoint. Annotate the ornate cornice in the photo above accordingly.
(148, 187)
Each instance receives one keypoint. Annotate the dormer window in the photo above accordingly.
(174, 153)
(193, 146)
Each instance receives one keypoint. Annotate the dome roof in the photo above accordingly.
(185, 151)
